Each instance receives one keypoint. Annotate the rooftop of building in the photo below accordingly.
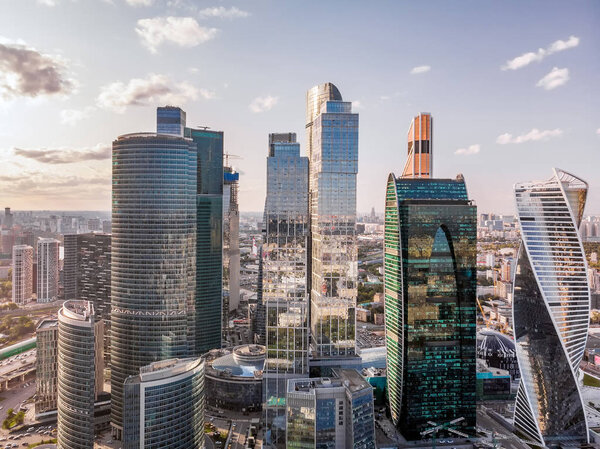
(164, 369)
(347, 378)
(246, 361)
(78, 310)
(47, 323)
(151, 135)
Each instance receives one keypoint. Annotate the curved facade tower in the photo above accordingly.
(79, 373)
(551, 310)
(430, 254)
(153, 255)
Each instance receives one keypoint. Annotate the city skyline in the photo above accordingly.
(522, 90)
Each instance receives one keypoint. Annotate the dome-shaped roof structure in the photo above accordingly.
(498, 350)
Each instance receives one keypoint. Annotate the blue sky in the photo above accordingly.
(75, 74)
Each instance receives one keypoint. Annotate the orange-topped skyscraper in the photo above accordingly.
(420, 147)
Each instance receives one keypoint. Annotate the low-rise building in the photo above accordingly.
(334, 412)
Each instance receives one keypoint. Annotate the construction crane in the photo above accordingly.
(230, 156)
(447, 426)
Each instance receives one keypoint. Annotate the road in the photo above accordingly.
(15, 362)
(240, 431)
(15, 396)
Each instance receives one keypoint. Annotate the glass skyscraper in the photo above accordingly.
(430, 255)
(231, 243)
(284, 274)
(164, 406)
(333, 158)
(153, 276)
(209, 224)
(80, 373)
(209, 235)
(551, 311)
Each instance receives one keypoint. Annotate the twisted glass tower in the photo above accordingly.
(551, 310)
(153, 275)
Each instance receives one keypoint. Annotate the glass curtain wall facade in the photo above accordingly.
(209, 231)
(165, 406)
(334, 265)
(284, 288)
(153, 277)
(551, 310)
(430, 251)
(231, 243)
(77, 374)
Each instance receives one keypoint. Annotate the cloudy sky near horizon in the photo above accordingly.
(513, 87)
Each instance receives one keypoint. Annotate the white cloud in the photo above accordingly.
(139, 2)
(26, 72)
(471, 149)
(223, 13)
(73, 116)
(529, 57)
(598, 131)
(55, 156)
(47, 2)
(420, 69)
(557, 77)
(154, 89)
(356, 105)
(263, 104)
(182, 31)
(532, 136)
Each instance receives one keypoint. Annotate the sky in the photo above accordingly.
(512, 86)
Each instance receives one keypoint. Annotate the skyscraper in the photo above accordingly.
(80, 373)
(284, 274)
(419, 163)
(164, 406)
(209, 235)
(153, 277)
(209, 224)
(430, 252)
(231, 243)
(333, 158)
(47, 269)
(86, 270)
(22, 275)
(551, 310)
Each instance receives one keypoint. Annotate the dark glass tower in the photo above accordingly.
(87, 270)
(209, 231)
(153, 277)
(430, 285)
